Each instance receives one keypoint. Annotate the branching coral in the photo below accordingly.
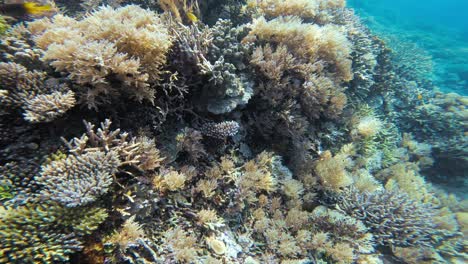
(127, 45)
(307, 41)
(441, 122)
(139, 152)
(393, 218)
(78, 180)
(341, 228)
(38, 233)
(41, 99)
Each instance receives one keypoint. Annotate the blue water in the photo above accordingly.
(439, 27)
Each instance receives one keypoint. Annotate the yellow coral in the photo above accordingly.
(306, 41)
(331, 171)
(216, 245)
(129, 42)
(128, 234)
(209, 218)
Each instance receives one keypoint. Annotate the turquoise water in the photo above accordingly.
(438, 27)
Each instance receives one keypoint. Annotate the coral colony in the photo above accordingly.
(259, 131)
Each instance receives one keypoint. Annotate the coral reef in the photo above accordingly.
(255, 132)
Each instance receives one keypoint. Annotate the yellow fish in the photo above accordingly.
(192, 17)
(420, 97)
(23, 9)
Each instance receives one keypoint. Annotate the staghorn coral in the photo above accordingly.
(127, 45)
(41, 99)
(393, 218)
(51, 231)
(78, 180)
(138, 152)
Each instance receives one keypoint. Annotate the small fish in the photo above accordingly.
(23, 9)
(192, 17)
(420, 97)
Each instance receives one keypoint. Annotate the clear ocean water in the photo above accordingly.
(438, 27)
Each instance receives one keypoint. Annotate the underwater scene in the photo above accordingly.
(233, 131)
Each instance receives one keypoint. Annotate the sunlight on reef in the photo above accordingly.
(258, 131)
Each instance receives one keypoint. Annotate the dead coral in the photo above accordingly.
(128, 43)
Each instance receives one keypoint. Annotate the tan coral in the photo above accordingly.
(130, 43)
(332, 172)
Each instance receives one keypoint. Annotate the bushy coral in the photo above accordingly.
(302, 79)
(319, 11)
(331, 170)
(327, 46)
(110, 51)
